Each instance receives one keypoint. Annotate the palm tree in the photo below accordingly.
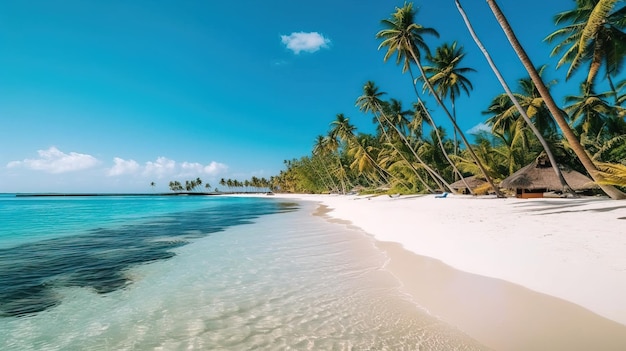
(589, 110)
(403, 37)
(594, 35)
(333, 145)
(558, 115)
(342, 128)
(370, 102)
(397, 120)
(447, 77)
(320, 149)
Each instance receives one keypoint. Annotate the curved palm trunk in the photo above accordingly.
(431, 121)
(456, 126)
(443, 149)
(343, 178)
(335, 187)
(456, 141)
(436, 176)
(320, 175)
(401, 154)
(384, 174)
(352, 139)
(556, 112)
(381, 172)
(564, 186)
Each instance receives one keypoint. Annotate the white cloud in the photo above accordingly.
(215, 168)
(191, 168)
(54, 160)
(166, 167)
(162, 167)
(307, 42)
(194, 169)
(479, 128)
(123, 167)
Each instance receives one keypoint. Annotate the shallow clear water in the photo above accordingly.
(280, 279)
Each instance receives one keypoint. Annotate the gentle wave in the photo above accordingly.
(288, 281)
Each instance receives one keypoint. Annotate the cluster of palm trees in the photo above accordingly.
(254, 184)
(190, 185)
(587, 133)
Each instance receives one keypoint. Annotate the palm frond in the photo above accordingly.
(612, 174)
(596, 20)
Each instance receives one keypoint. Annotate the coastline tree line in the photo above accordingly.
(411, 153)
(253, 185)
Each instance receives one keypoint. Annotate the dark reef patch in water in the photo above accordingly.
(99, 258)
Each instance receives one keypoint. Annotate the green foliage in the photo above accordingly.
(402, 157)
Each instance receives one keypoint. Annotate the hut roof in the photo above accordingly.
(540, 175)
(472, 182)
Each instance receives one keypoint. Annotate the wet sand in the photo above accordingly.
(499, 314)
(512, 274)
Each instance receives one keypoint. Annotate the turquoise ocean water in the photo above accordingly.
(198, 273)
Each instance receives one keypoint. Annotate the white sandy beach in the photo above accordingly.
(570, 249)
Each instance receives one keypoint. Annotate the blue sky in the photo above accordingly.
(108, 96)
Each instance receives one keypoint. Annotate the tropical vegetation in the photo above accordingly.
(410, 151)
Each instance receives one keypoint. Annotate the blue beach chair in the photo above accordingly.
(442, 196)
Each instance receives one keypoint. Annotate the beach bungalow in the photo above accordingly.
(537, 178)
(473, 182)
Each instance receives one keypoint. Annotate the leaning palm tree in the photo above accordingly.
(320, 151)
(397, 120)
(403, 38)
(370, 102)
(556, 112)
(522, 111)
(334, 146)
(342, 129)
(594, 34)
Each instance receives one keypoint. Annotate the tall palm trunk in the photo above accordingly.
(436, 176)
(381, 172)
(320, 175)
(341, 174)
(431, 121)
(456, 126)
(556, 112)
(329, 175)
(564, 186)
(430, 190)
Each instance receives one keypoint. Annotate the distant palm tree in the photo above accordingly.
(320, 149)
(333, 145)
(370, 102)
(342, 128)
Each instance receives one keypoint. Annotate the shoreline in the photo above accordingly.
(560, 260)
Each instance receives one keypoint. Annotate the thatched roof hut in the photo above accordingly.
(473, 182)
(539, 177)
